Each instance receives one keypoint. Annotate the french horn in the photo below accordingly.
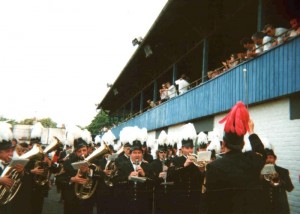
(44, 178)
(86, 190)
(7, 194)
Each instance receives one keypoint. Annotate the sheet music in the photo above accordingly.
(16, 161)
(77, 165)
(268, 169)
(204, 156)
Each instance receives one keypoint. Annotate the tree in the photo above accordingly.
(100, 120)
(48, 123)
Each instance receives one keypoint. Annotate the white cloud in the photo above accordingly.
(56, 56)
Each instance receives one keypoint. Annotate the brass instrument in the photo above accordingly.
(201, 160)
(199, 163)
(85, 191)
(44, 178)
(269, 174)
(111, 165)
(7, 194)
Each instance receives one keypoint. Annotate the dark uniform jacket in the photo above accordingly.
(233, 184)
(188, 184)
(121, 158)
(136, 197)
(147, 157)
(275, 196)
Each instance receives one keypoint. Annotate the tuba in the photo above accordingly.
(85, 191)
(44, 178)
(7, 194)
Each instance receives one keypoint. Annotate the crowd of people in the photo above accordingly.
(168, 91)
(125, 177)
(259, 42)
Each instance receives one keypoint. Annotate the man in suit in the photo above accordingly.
(187, 177)
(72, 204)
(232, 182)
(163, 190)
(275, 189)
(136, 194)
(125, 155)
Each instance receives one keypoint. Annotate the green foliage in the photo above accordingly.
(48, 123)
(11, 121)
(100, 120)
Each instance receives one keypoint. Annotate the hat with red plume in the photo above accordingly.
(236, 126)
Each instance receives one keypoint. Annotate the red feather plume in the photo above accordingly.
(237, 119)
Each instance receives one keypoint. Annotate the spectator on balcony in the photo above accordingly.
(249, 45)
(151, 103)
(295, 25)
(163, 92)
(277, 33)
(231, 62)
(183, 84)
(172, 92)
(262, 42)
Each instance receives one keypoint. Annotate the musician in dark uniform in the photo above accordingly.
(146, 156)
(163, 189)
(72, 204)
(187, 176)
(6, 153)
(232, 182)
(125, 155)
(136, 195)
(275, 190)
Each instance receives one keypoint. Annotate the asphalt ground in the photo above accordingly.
(53, 203)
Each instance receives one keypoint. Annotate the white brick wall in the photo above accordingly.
(272, 121)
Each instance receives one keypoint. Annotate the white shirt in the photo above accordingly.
(172, 91)
(182, 85)
(134, 165)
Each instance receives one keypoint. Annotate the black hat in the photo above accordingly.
(175, 146)
(233, 141)
(162, 147)
(6, 145)
(270, 152)
(79, 143)
(36, 140)
(187, 143)
(144, 144)
(127, 145)
(136, 145)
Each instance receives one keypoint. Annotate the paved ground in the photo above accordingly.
(52, 204)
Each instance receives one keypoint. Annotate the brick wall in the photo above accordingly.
(272, 121)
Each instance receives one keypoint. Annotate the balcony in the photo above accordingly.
(273, 74)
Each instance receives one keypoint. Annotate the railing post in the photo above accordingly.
(141, 102)
(204, 60)
(131, 107)
(174, 74)
(155, 91)
(260, 14)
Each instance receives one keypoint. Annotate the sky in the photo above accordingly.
(57, 56)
